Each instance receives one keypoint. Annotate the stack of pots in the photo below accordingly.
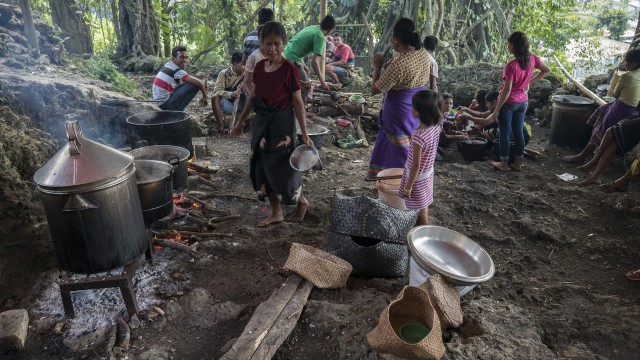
(174, 155)
(92, 205)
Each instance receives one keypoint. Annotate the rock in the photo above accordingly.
(592, 82)
(88, 340)
(44, 60)
(44, 325)
(13, 329)
(12, 63)
(202, 311)
(498, 331)
(134, 322)
(155, 354)
(146, 63)
(173, 311)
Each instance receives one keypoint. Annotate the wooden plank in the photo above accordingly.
(285, 323)
(263, 319)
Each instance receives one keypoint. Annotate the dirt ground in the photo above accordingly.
(560, 252)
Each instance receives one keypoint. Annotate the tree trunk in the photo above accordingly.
(30, 29)
(139, 33)
(166, 28)
(635, 43)
(428, 17)
(406, 8)
(440, 19)
(114, 14)
(64, 14)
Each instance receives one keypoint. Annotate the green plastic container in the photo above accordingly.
(413, 333)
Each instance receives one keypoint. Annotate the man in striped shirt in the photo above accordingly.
(167, 90)
(251, 42)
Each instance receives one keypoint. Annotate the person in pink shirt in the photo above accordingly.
(343, 59)
(513, 101)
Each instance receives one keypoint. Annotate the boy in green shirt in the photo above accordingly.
(310, 41)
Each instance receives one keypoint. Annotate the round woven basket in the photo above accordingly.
(322, 269)
(412, 305)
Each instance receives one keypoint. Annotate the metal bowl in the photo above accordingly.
(454, 256)
(304, 158)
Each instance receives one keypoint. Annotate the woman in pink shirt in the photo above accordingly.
(513, 101)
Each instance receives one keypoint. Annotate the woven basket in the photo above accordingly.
(445, 300)
(385, 259)
(322, 269)
(367, 217)
(411, 306)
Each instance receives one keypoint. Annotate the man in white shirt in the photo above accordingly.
(430, 43)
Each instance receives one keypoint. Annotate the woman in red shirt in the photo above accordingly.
(513, 101)
(273, 134)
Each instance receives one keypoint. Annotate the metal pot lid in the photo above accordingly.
(82, 162)
(571, 100)
(160, 152)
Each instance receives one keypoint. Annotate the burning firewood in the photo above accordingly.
(209, 207)
(201, 169)
(176, 246)
(231, 196)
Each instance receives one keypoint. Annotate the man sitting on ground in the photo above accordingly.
(166, 91)
(227, 90)
(309, 41)
(343, 60)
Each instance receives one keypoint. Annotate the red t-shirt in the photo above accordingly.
(520, 79)
(344, 53)
(276, 87)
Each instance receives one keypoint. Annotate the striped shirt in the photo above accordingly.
(251, 43)
(422, 190)
(165, 82)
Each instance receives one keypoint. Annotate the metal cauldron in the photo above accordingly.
(91, 201)
(161, 128)
(173, 155)
(155, 188)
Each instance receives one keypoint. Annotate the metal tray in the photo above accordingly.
(454, 256)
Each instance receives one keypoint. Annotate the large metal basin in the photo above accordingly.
(454, 256)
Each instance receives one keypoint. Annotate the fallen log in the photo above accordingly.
(360, 132)
(201, 169)
(205, 234)
(272, 321)
(224, 218)
(233, 196)
(209, 207)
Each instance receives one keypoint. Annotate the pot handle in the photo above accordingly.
(174, 161)
(142, 143)
(74, 134)
(77, 202)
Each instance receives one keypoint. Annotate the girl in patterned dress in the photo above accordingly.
(416, 187)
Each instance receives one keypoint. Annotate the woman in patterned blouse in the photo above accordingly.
(405, 74)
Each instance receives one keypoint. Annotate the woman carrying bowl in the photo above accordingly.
(405, 74)
(277, 101)
(513, 101)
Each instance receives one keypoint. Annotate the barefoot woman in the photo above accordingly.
(275, 96)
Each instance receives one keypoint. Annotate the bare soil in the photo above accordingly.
(560, 251)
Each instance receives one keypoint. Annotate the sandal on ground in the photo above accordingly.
(610, 188)
(633, 275)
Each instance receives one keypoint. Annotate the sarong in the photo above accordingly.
(396, 126)
(606, 116)
(273, 139)
(626, 136)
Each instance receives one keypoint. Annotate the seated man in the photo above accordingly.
(166, 91)
(343, 60)
(227, 89)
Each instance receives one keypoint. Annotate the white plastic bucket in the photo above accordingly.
(388, 189)
(418, 276)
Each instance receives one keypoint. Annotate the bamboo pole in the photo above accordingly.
(580, 87)
(323, 13)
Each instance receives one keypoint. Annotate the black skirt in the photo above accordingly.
(273, 139)
(626, 136)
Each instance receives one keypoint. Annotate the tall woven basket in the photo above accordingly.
(386, 259)
(382, 227)
(411, 306)
(322, 269)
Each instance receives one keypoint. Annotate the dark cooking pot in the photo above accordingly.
(155, 188)
(317, 134)
(174, 155)
(161, 128)
(473, 149)
(91, 201)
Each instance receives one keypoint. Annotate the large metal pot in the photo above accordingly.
(155, 188)
(173, 155)
(91, 201)
(161, 128)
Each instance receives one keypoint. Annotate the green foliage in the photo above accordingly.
(101, 68)
(613, 19)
